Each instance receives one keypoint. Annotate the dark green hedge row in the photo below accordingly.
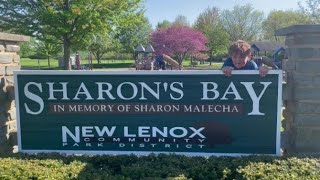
(161, 166)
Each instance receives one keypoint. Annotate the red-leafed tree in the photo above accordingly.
(178, 41)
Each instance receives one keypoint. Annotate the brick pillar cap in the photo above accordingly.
(13, 37)
(298, 29)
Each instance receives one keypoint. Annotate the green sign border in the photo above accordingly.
(187, 72)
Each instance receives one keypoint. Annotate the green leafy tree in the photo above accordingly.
(311, 8)
(242, 22)
(163, 24)
(47, 48)
(27, 49)
(102, 44)
(131, 36)
(69, 22)
(209, 24)
(278, 19)
(181, 20)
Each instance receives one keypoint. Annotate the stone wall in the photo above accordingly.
(301, 93)
(9, 62)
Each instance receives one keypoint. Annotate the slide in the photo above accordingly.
(171, 61)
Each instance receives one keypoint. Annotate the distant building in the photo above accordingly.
(262, 47)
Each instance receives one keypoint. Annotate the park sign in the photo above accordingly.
(199, 113)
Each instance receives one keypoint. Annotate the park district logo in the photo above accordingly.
(145, 137)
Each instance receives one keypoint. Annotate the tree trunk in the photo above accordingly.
(66, 55)
(49, 61)
(211, 58)
(99, 58)
(180, 61)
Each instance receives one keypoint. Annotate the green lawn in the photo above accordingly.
(27, 63)
(215, 65)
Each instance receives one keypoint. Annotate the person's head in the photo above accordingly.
(240, 53)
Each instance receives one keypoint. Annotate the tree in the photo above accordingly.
(208, 22)
(47, 48)
(163, 24)
(101, 44)
(178, 41)
(181, 21)
(209, 17)
(311, 8)
(242, 22)
(278, 19)
(69, 22)
(27, 48)
(131, 36)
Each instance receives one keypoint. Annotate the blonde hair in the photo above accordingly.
(240, 47)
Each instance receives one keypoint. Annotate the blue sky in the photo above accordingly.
(159, 10)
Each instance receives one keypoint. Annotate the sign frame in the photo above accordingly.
(183, 72)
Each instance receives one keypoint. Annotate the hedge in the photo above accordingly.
(172, 167)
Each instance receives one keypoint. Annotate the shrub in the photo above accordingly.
(39, 169)
(171, 167)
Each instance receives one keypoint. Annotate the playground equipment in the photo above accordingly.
(145, 59)
(278, 49)
(275, 62)
(174, 64)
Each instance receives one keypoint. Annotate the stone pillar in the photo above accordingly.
(301, 93)
(9, 61)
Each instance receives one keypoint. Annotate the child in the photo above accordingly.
(160, 62)
(240, 54)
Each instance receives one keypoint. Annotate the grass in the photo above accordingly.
(27, 63)
(106, 64)
(215, 65)
(42, 64)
